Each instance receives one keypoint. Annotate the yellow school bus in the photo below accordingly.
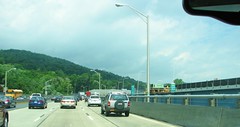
(14, 93)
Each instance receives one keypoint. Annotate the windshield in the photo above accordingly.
(119, 97)
(81, 54)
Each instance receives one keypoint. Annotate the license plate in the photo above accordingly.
(119, 103)
(111, 110)
(35, 102)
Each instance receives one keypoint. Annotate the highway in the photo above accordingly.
(82, 116)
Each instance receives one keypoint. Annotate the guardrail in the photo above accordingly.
(214, 100)
(212, 114)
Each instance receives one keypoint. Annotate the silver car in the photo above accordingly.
(94, 100)
(9, 101)
(117, 102)
(68, 101)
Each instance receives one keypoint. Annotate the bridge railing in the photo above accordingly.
(233, 82)
(214, 100)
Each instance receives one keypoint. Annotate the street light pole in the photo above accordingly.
(46, 85)
(141, 15)
(6, 74)
(123, 83)
(99, 78)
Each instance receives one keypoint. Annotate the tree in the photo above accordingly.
(178, 81)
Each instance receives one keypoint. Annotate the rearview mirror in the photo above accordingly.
(227, 11)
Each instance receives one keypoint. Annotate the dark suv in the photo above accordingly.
(117, 102)
(4, 118)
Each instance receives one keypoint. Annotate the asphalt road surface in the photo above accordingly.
(82, 116)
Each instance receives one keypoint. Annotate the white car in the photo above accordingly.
(94, 100)
(36, 95)
(68, 101)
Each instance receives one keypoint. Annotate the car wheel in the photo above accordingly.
(107, 113)
(102, 112)
(127, 113)
(5, 122)
(29, 107)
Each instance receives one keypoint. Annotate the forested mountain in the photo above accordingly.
(35, 61)
(35, 70)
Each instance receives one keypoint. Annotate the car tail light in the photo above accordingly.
(72, 101)
(7, 101)
(62, 101)
(108, 103)
(41, 101)
(129, 103)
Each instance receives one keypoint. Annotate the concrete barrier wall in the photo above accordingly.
(230, 118)
(188, 116)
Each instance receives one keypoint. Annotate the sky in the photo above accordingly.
(98, 35)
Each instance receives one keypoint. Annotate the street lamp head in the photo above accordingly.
(119, 5)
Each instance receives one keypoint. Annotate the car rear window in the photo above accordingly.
(36, 95)
(119, 97)
(34, 98)
(94, 96)
(68, 97)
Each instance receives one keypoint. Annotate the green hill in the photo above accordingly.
(35, 61)
(33, 70)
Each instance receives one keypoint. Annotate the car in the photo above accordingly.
(36, 95)
(86, 98)
(9, 101)
(58, 99)
(76, 99)
(53, 98)
(20, 98)
(68, 101)
(37, 102)
(94, 100)
(4, 117)
(117, 102)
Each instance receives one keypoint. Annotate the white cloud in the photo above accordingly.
(182, 57)
(97, 34)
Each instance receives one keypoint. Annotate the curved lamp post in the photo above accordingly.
(99, 78)
(6, 74)
(145, 18)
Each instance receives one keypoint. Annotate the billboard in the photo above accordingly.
(158, 86)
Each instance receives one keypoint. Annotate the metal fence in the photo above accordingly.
(215, 100)
(213, 83)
